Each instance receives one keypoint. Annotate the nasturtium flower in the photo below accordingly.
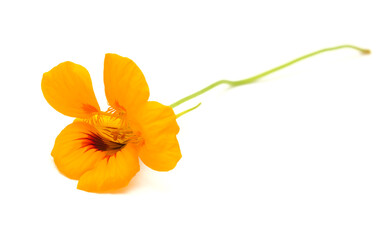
(101, 149)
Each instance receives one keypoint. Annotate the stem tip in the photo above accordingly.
(366, 51)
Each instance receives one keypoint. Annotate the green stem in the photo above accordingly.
(187, 111)
(256, 77)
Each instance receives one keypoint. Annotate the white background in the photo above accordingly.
(298, 155)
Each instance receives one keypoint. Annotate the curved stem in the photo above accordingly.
(256, 77)
(187, 111)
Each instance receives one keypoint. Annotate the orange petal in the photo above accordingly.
(159, 128)
(72, 155)
(68, 89)
(112, 173)
(125, 85)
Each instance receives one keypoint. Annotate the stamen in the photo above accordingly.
(113, 132)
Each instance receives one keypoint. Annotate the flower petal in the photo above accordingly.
(112, 173)
(68, 89)
(125, 85)
(159, 128)
(72, 154)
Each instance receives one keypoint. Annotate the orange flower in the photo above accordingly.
(101, 149)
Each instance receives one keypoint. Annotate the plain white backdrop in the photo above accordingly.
(301, 154)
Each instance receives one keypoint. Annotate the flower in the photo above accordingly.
(102, 149)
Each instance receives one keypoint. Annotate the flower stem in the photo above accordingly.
(256, 77)
(187, 111)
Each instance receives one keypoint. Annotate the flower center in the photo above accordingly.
(113, 133)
